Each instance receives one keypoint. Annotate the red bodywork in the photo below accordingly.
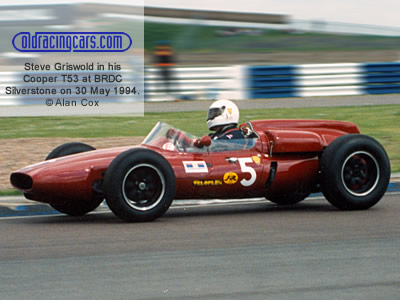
(285, 158)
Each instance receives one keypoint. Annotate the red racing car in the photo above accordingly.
(282, 160)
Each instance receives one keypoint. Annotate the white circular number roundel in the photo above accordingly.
(168, 146)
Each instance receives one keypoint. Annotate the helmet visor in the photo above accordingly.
(215, 112)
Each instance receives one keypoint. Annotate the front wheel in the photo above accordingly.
(355, 172)
(78, 209)
(68, 149)
(139, 185)
(74, 208)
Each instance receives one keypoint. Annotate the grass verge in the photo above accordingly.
(10, 193)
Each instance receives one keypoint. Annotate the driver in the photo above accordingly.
(223, 117)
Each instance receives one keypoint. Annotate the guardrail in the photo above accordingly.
(200, 83)
(323, 80)
(233, 82)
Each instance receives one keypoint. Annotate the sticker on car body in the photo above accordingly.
(210, 182)
(230, 178)
(195, 166)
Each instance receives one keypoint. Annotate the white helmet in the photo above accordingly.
(222, 112)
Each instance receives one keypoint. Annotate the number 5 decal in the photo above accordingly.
(247, 169)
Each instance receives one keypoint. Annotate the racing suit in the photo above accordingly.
(228, 132)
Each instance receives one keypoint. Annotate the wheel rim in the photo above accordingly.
(143, 187)
(360, 173)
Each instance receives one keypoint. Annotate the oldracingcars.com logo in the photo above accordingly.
(72, 42)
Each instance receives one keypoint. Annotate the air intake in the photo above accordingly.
(21, 181)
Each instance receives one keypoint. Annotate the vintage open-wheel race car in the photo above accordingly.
(282, 160)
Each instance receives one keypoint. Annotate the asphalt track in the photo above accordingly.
(238, 251)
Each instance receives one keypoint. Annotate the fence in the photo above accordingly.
(236, 82)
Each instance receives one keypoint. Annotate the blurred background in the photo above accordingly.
(192, 50)
(214, 32)
(246, 36)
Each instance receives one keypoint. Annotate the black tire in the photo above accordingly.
(355, 172)
(78, 209)
(139, 185)
(71, 207)
(288, 199)
(68, 149)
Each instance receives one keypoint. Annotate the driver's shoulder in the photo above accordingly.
(229, 134)
(234, 133)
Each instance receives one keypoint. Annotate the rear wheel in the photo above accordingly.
(355, 172)
(73, 208)
(139, 185)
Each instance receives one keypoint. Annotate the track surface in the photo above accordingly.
(244, 251)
